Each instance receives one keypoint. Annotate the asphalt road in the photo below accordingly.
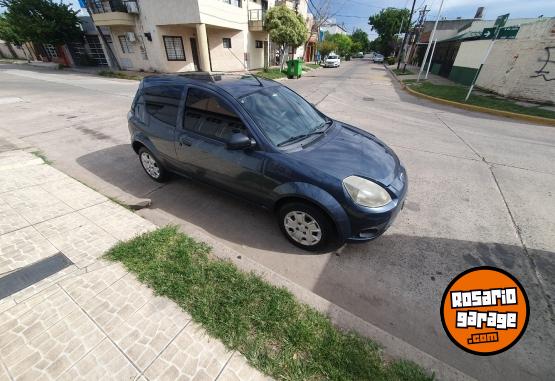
(481, 193)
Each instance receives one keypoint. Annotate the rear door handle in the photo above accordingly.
(184, 142)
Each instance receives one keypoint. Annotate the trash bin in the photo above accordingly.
(294, 68)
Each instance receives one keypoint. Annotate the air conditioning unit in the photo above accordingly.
(131, 37)
(132, 7)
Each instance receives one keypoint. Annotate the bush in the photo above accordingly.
(390, 60)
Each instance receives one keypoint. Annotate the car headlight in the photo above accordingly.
(365, 192)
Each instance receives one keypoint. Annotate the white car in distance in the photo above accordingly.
(332, 60)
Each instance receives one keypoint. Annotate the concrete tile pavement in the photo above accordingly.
(92, 319)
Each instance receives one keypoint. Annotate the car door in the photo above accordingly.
(161, 106)
(208, 123)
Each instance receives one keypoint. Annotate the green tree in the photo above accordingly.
(342, 42)
(38, 21)
(387, 23)
(7, 33)
(356, 47)
(360, 40)
(286, 28)
(326, 47)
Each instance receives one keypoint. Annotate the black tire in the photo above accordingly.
(328, 235)
(158, 167)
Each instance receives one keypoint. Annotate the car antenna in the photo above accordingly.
(245, 68)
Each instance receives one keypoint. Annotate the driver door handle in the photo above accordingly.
(184, 142)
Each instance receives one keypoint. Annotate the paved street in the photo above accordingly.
(481, 193)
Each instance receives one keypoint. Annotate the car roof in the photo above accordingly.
(235, 84)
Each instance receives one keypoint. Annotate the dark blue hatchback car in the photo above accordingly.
(326, 181)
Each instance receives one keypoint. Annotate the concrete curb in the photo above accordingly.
(507, 114)
(393, 347)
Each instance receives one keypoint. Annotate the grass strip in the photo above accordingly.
(401, 72)
(311, 66)
(278, 335)
(272, 73)
(120, 75)
(457, 93)
(42, 155)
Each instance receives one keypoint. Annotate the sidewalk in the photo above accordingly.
(65, 313)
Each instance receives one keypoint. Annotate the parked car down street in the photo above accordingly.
(332, 60)
(261, 141)
(378, 58)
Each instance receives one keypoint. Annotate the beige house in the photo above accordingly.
(185, 35)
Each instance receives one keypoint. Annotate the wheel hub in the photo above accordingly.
(150, 165)
(302, 228)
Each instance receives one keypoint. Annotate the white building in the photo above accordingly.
(188, 35)
(185, 35)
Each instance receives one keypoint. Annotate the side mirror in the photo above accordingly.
(240, 141)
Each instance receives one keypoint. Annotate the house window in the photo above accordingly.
(227, 43)
(126, 46)
(50, 50)
(237, 3)
(259, 44)
(174, 48)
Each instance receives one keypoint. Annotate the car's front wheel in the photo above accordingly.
(152, 166)
(306, 226)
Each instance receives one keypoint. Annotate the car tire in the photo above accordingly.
(307, 226)
(152, 166)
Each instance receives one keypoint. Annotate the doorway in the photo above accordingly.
(194, 51)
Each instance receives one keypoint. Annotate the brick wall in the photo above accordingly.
(514, 67)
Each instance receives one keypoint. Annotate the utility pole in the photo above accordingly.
(482, 64)
(431, 58)
(418, 30)
(402, 53)
(398, 33)
(430, 40)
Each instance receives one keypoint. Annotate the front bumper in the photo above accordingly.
(370, 223)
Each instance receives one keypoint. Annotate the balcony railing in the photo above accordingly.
(99, 6)
(256, 19)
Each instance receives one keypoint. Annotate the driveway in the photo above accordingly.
(481, 193)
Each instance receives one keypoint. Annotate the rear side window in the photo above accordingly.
(207, 114)
(162, 102)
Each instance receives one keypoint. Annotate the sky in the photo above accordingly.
(355, 13)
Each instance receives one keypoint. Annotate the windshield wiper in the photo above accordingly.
(318, 131)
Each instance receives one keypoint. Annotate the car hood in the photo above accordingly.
(348, 151)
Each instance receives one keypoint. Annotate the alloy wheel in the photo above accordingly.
(150, 165)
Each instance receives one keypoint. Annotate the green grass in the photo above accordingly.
(272, 73)
(42, 155)
(278, 335)
(457, 93)
(120, 75)
(401, 72)
(309, 66)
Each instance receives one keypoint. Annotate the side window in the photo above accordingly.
(162, 102)
(208, 115)
(139, 109)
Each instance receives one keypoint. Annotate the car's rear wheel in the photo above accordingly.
(306, 226)
(152, 166)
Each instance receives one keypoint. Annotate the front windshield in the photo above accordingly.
(332, 57)
(282, 115)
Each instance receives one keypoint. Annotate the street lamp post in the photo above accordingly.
(430, 41)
